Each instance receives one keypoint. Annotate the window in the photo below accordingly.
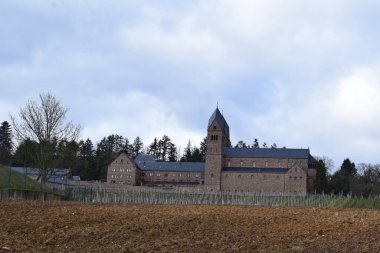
(151, 174)
(214, 127)
(158, 174)
(241, 163)
(173, 175)
(252, 176)
(188, 175)
(196, 175)
(278, 177)
(166, 175)
(266, 163)
(295, 178)
(214, 137)
(265, 177)
(279, 164)
(122, 160)
(254, 164)
(180, 174)
(229, 163)
(290, 177)
(239, 176)
(211, 175)
(143, 174)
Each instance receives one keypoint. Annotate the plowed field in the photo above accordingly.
(76, 227)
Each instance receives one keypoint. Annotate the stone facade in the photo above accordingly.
(261, 170)
(123, 171)
(157, 177)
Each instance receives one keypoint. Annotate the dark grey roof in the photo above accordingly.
(147, 162)
(312, 159)
(35, 171)
(267, 152)
(171, 166)
(144, 158)
(220, 120)
(254, 170)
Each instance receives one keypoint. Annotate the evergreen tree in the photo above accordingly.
(153, 149)
(196, 155)
(24, 156)
(172, 152)
(163, 147)
(203, 149)
(128, 148)
(241, 144)
(342, 179)
(86, 167)
(67, 154)
(6, 144)
(187, 153)
(348, 168)
(138, 147)
(321, 178)
(256, 144)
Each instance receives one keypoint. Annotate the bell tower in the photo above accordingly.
(218, 137)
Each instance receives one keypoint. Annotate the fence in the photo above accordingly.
(19, 194)
(156, 196)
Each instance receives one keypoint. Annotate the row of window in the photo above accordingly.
(121, 161)
(253, 164)
(121, 170)
(295, 178)
(214, 137)
(264, 177)
(121, 176)
(151, 174)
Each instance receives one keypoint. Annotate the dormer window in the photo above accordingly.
(214, 127)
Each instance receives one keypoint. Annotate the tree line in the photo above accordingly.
(359, 180)
(89, 160)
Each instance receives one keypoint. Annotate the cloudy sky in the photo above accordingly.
(297, 73)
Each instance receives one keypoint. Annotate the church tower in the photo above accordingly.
(218, 137)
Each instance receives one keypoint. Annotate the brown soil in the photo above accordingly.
(76, 227)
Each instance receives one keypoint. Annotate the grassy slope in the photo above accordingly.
(15, 180)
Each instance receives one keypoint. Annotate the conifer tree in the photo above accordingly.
(6, 143)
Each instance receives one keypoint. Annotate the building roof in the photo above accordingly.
(267, 152)
(255, 170)
(218, 117)
(144, 158)
(35, 171)
(147, 162)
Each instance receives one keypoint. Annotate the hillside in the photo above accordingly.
(15, 180)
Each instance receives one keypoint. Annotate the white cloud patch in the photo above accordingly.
(138, 113)
(337, 118)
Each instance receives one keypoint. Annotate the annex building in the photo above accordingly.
(261, 170)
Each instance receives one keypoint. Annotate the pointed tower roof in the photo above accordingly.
(218, 117)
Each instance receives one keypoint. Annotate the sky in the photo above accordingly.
(301, 74)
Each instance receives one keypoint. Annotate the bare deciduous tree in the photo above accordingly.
(45, 124)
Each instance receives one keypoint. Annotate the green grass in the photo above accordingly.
(14, 180)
